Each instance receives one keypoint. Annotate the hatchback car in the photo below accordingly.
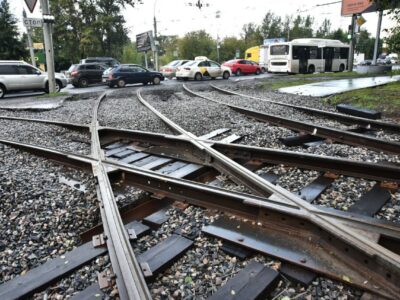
(242, 66)
(169, 70)
(84, 74)
(21, 76)
(122, 75)
(199, 69)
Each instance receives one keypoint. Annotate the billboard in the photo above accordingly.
(351, 7)
(145, 41)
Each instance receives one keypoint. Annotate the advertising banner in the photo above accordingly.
(351, 7)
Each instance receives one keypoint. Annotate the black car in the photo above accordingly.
(122, 75)
(84, 74)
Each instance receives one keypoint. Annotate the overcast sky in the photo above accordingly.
(177, 17)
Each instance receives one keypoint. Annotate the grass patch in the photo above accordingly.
(384, 98)
(53, 95)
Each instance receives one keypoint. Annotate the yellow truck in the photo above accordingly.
(260, 55)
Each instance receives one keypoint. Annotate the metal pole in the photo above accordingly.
(155, 38)
(217, 49)
(145, 59)
(352, 43)
(378, 34)
(30, 44)
(48, 45)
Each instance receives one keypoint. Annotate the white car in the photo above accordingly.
(202, 68)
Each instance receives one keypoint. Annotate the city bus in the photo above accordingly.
(308, 56)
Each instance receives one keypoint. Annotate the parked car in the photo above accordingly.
(242, 66)
(366, 62)
(109, 61)
(107, 72)
(169, 70)
(202, 68)
(21, 76)
(122, 75)
(84, 74)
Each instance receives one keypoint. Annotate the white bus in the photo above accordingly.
(308, 56)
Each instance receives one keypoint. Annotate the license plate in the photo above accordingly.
(104, 80)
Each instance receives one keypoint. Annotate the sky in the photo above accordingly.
(177, 17)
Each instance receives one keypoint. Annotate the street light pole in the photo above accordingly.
(155, 38)
(48, 44)
(378, 33)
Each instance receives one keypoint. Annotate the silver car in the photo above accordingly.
(21, 76)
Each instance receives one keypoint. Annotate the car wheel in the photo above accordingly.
(121, 83)
(156, 80)
(83, 82)
(58, 86)
(258, 72)
(226, 75)
(341, 68)
(263, 70)
(198, 77)
(2, 91)
(238, 72)
(311, 69)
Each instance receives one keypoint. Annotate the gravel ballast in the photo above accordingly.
(40, 217)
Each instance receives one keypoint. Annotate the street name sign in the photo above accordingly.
(31, 22)
(31, 4)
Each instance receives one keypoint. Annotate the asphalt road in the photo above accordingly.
(101, 87)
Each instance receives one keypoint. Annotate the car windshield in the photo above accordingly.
(71, 68)
(190, 63)
(173, 63)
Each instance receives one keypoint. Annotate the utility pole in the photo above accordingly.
(378, 34)
(155, 38)
(48, 44)
(352, 43)
(30, 44)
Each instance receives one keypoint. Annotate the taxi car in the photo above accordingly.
(201, 68)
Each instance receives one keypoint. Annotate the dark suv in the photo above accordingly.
(84, 74)
(125, 74)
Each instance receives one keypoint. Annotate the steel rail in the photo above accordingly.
(74, 126)
(255, 208)
(130, 280)
(187, 151)
(85, 163)
(341, 136)
(242, 175)
(368, 123)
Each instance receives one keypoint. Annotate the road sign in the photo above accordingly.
(31, 4)
(361, 21)
(31, 22)
(145, 41)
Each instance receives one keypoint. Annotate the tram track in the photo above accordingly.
(343, 240)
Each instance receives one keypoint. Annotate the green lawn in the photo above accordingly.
(384, 98)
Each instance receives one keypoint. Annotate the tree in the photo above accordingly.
(196, 43)
(302, 28)
(252, 35)
(340, 35)
(393, 40)
(11, 47)
(324, 31)
(271, 26)
(365, 44)
(229, 46)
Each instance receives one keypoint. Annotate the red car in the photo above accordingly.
(242, 66)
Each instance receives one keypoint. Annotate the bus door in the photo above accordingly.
(328, 56)
(303, 53)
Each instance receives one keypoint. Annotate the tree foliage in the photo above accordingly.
(196, 43)
(11, 46)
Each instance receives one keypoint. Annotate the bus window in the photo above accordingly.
(344, 53)
(336, 53)
(280, 50)
(313, 52)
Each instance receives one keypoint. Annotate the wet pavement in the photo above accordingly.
(29, 103)
(331, 87)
